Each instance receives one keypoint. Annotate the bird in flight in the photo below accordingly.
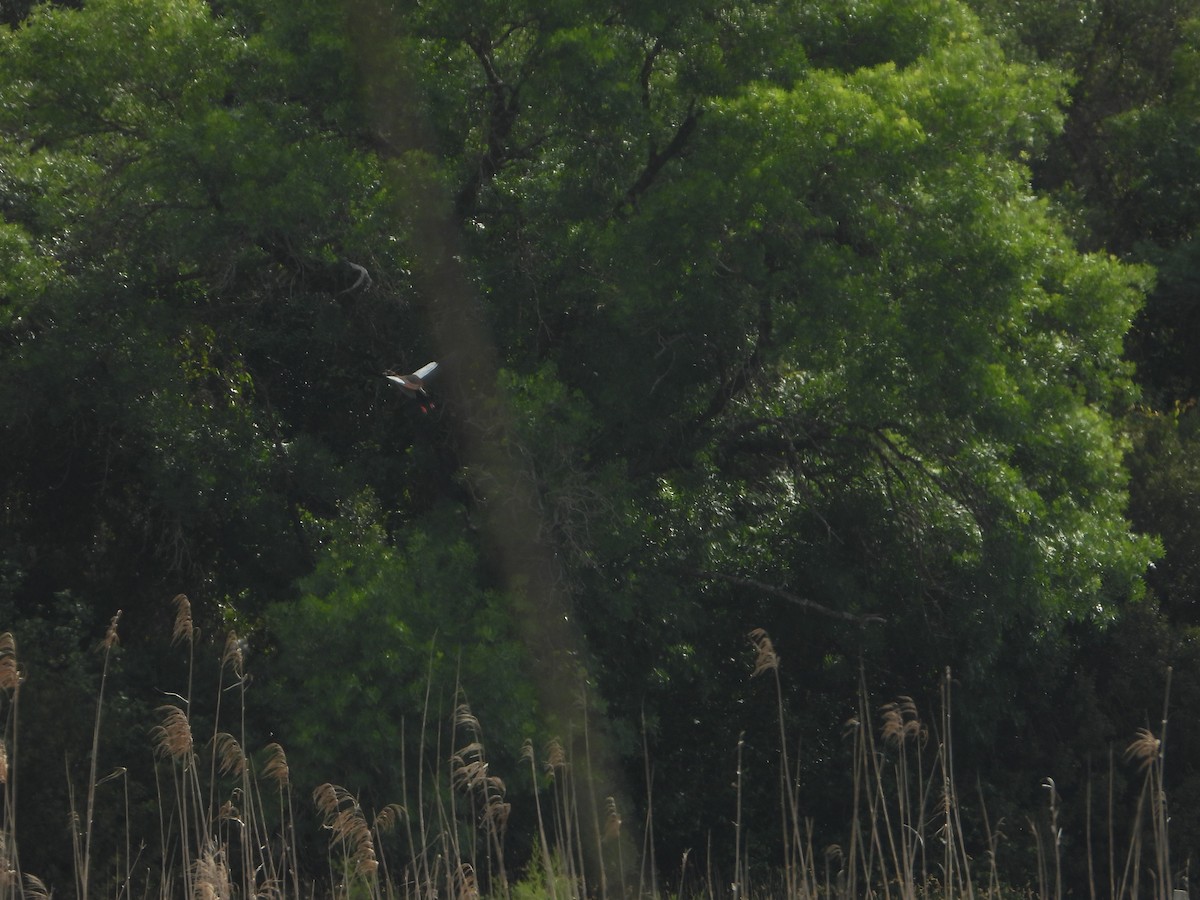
(413, 385)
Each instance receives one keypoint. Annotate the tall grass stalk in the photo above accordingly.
(739, 864)
(1112, 844)
(791, 840)
(1149, 752)
(547, 862)
(958, 862)
(85, 858)
(228, 825)
(648, 858)
(486, 798)
(10, 686)
(593, 806)
(993, 837)
(1087, 832)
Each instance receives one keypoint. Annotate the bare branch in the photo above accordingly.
(658, 159)
(647, 69)
(784, 594)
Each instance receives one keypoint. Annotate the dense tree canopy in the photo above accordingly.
(803, 316)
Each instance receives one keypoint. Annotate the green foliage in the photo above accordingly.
(535, 884)
(818, 320)
(859, 254)
(178, 224)
(381, 646)
(785, 338)
(1125, 163)
(1166, 478)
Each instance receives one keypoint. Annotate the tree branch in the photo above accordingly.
(647, 69)
(502, 114)
(658, 159)
(784, 594)
(733, 385)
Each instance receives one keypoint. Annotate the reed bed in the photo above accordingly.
(228, 817)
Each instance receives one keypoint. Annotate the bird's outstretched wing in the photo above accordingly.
(426, 371)
(414, 383)
(398, 379)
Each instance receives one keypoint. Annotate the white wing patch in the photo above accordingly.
(426, 371)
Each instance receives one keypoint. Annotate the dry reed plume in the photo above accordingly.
(388, 818)
(230, 758)
(1145, 749)
(10, 672)
(184, 630)
(905, 841)
(612, 822)
(111, 637)
(901, 722)
(765, 657)
(234, 655)
(173, 738)
(276, 766)
(211, 877)
(348, 826)
(35, 888)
